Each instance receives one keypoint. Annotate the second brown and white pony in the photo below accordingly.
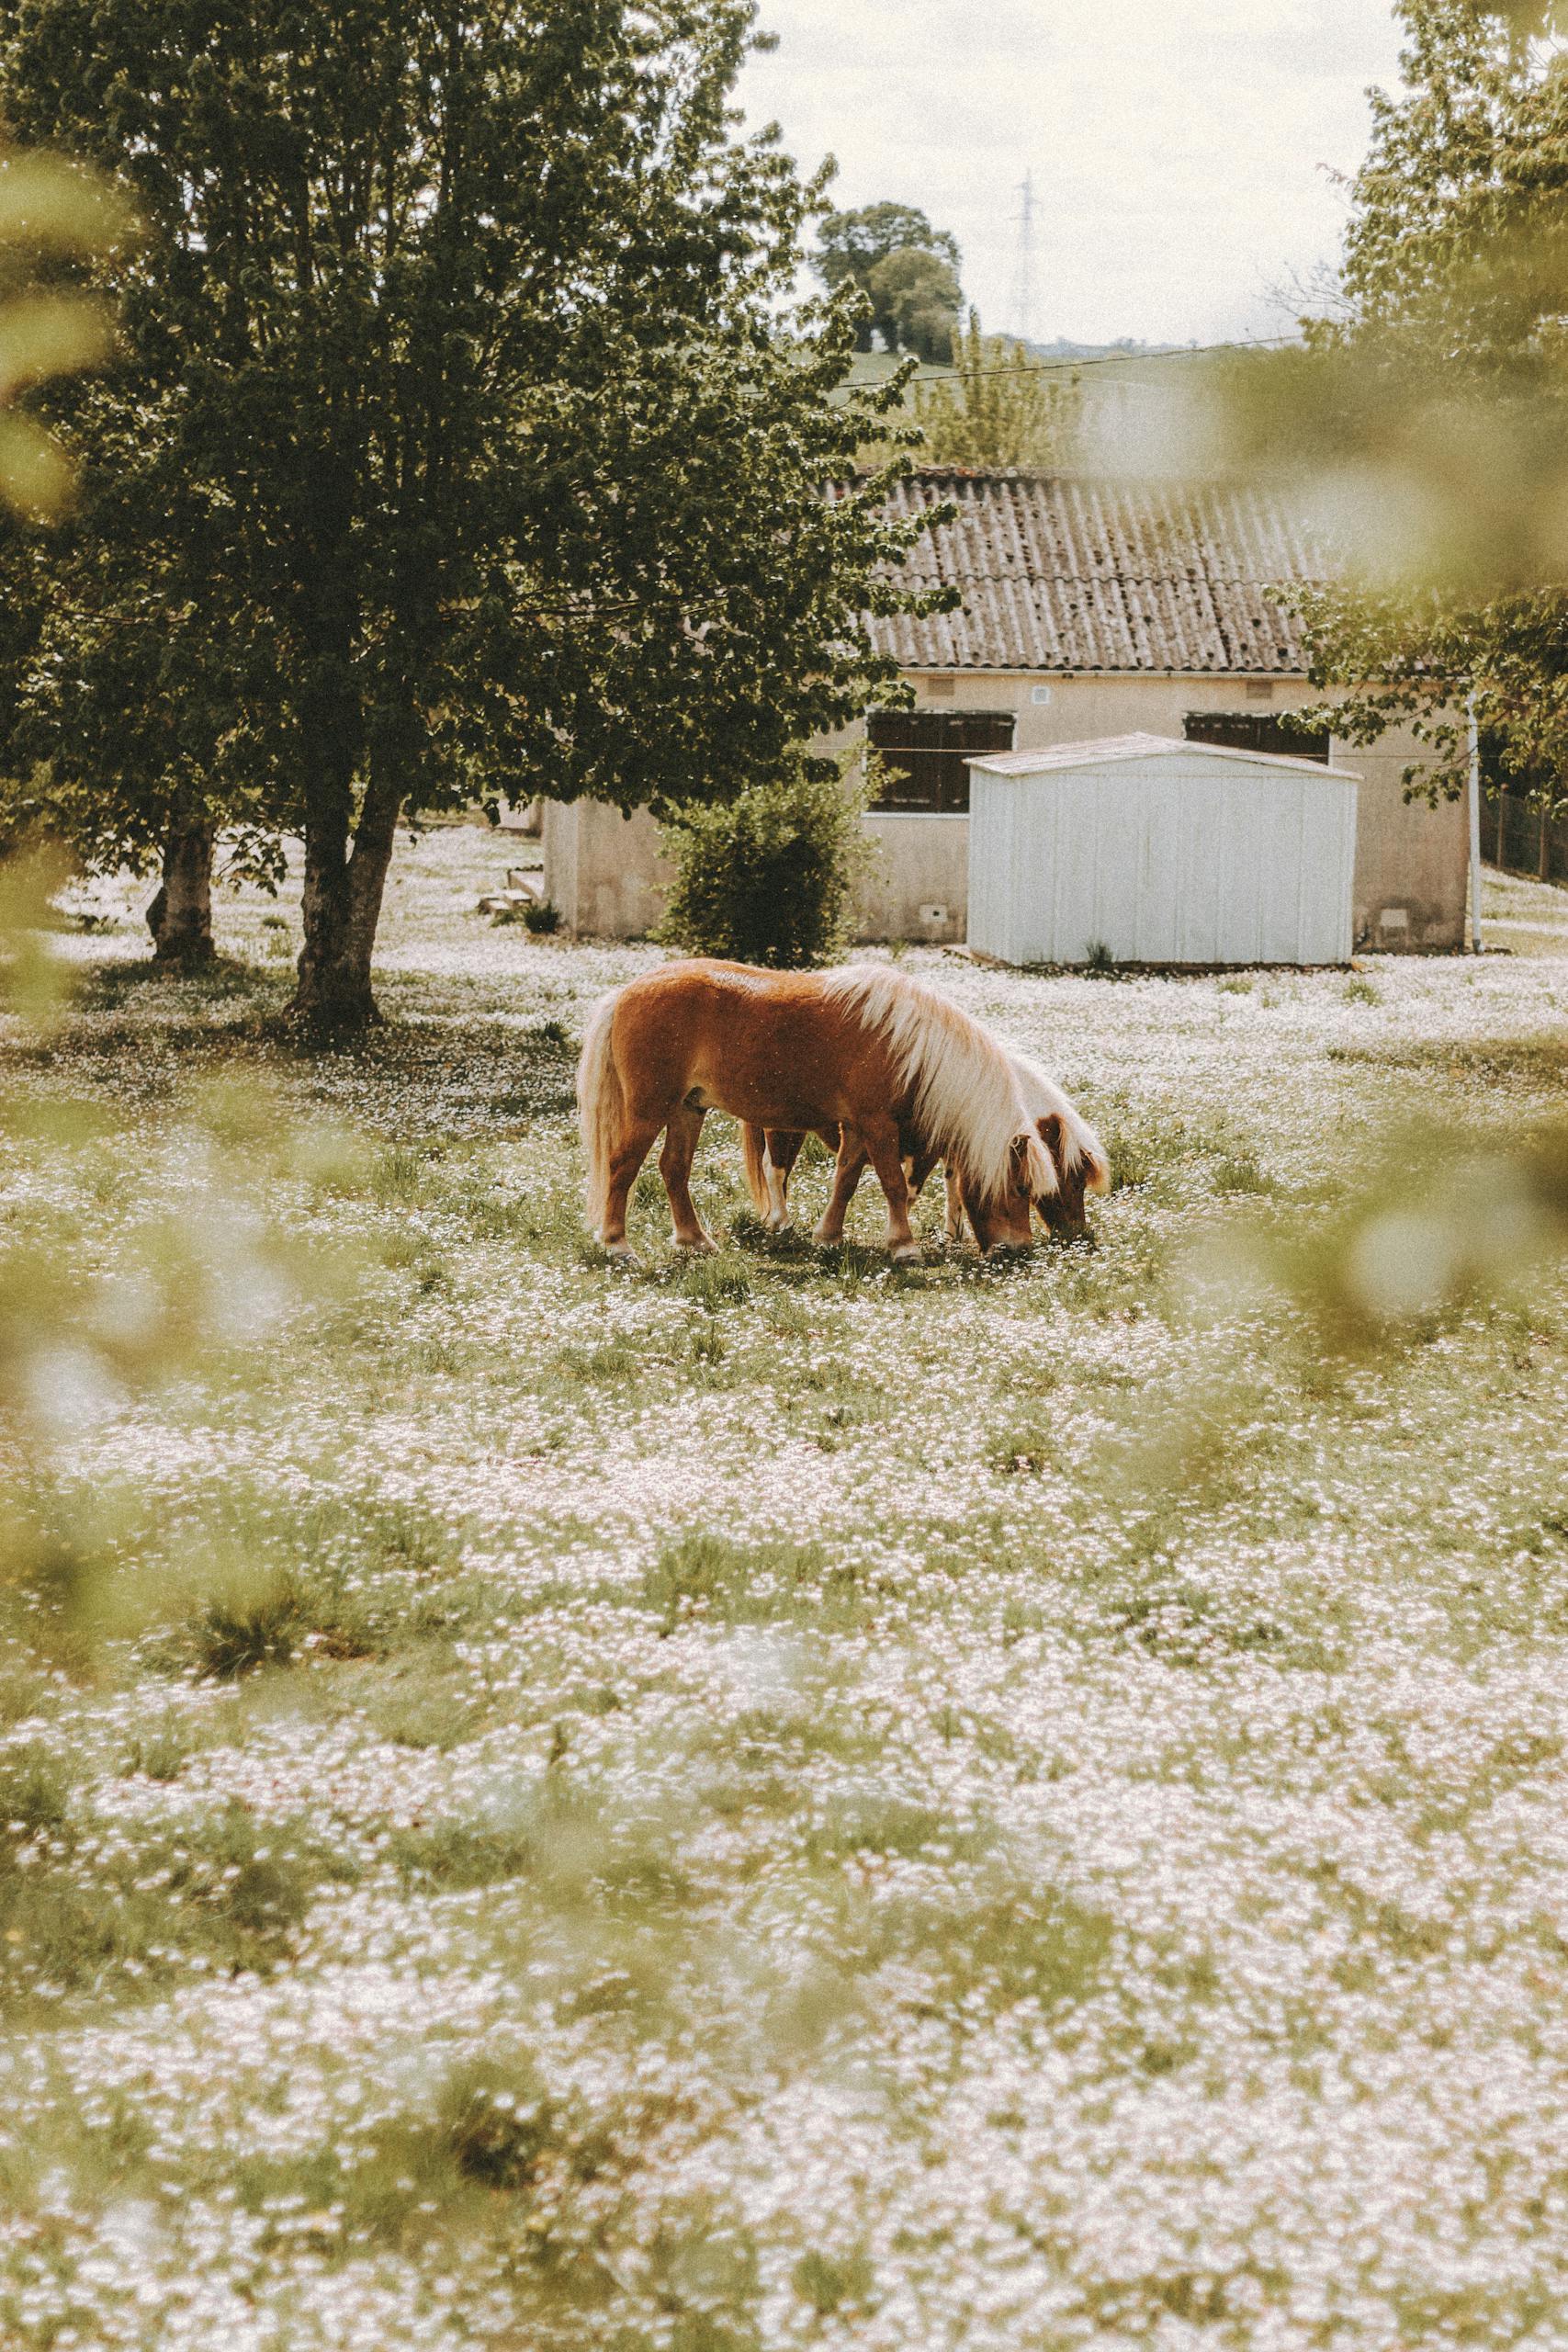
(1076, 1154)
(865, 1054)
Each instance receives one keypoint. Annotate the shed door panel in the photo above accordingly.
(1070, 805)
(1171, 809)
(1280, 817)
(1200, 885)
(1238, 888)
(1030, 878)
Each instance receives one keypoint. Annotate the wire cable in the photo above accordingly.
(1075, 367)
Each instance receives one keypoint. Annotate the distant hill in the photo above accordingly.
(1126, 347)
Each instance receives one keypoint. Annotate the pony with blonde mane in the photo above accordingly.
(866, 1054)
(1077, 1153)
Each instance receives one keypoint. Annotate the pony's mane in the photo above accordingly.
(967, 1100)
(1081, 1147)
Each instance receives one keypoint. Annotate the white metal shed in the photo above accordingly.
(1163, 851)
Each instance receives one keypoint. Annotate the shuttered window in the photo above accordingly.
(1256, 731)
(925, 750)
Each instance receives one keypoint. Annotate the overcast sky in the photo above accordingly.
(1183, 152)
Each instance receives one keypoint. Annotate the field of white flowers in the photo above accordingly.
(773, 1802)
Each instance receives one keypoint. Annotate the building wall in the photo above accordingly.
(921, 888)
(604, 872)
(1412, 862)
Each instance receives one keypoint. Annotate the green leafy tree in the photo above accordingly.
(1428, 414)
(459, 448)
(907, 270)
(1002, 407)
(915, 299)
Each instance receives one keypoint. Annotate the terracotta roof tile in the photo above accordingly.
(1059, 573)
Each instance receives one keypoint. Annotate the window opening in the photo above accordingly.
(924, 751)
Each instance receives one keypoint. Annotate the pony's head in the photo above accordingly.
(1080, 1166)
(1000, 1214)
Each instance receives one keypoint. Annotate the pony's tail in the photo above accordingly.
(754, 1153)
(600, 1105)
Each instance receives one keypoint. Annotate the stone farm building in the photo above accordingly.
(1089, 609)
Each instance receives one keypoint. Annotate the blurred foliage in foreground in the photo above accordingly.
(1424, 421)
(115, 1285)
(55, 217)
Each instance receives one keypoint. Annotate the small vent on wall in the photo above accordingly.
(941, 688)
(1260, 690)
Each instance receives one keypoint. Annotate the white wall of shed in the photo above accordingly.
(1164, 859)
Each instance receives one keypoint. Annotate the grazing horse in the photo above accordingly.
(1076, 1154)
(865, 1054)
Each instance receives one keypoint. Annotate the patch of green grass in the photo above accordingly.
(609, 1361)
(830, 2283)
(283, 1620)
(1023, 1449)
(401, 1175)
(1238, 1172)
(723, 1280)
(86, 1908)
(34, 1792)
(712, 1578)
(492, 2132)
(448, 1856)
(425, 1701)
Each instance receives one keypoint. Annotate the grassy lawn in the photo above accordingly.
(772, 1802)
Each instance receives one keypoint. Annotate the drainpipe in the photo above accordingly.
(1474, 826)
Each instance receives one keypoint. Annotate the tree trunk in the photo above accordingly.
(341, 908)
(180, 917)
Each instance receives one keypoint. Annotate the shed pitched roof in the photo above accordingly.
(1106, 751)
(1062, 572)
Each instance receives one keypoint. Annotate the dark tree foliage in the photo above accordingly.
(914, 299)
(907, 270)
(458, 448)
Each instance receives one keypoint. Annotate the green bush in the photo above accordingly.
(771, 877)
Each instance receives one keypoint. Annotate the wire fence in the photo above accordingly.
(1523, 837)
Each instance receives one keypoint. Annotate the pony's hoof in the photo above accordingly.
(620, 1253)
(823, 1240)
(700, 1247)
(911, 1254)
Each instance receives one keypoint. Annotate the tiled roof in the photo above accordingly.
(1060, 572)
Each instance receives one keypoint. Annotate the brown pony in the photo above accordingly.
(1076, 1154)
(867, 1055)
